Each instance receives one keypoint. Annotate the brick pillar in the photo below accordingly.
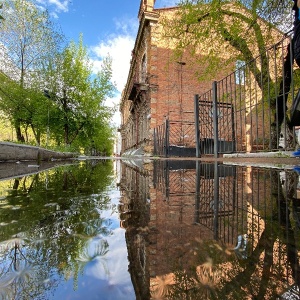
(146, 5)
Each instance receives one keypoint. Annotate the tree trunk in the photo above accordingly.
(20, 137)
(66, 121)
(37, 135)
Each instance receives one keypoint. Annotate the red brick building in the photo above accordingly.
(158, 87)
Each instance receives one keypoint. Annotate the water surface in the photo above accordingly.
(60, 235)
(159, 229)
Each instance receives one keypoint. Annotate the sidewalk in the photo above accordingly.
(279, 159)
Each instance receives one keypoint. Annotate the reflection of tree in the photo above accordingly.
(190, 287)
(19, 278)
(162, 286)
(286, 202)
(241, 278)
(57, 216)
(277, 227)
(200, 281)
(99, 252)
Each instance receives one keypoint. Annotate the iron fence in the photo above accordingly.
(175, 138)
(246, 111)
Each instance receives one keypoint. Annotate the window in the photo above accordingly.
(240, 72)
(143, 70)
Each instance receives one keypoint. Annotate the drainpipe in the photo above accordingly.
(137, 128)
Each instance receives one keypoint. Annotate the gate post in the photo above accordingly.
(197, 133)
(167, 133)
(215, 117)
(155, 142)
(216, 201)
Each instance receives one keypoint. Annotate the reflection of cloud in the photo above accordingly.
(104, 277)
(117, 263)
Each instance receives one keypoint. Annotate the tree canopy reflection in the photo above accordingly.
(52, 225)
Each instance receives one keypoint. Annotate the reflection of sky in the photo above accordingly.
(105, 277)
(116, 262)
(108, 215)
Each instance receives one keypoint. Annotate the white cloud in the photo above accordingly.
(127, 26)
(112, 102)
(59, 5)
(119, 49)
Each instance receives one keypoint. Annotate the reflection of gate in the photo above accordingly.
(215, 198)
(208, 188)
(173, 178)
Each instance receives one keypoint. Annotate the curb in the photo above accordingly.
(10, 152)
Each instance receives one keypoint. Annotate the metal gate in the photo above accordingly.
(214, 124)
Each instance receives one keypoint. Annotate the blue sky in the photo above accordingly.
(108, 27)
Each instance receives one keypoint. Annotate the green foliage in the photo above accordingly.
(24, 106)
(224, 32)
(49, 92)
(80, 117)
(1, 6)
(27, 41)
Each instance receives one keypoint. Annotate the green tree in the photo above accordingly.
(230, 32)
(28, 40)
(242, 29)
(24, 105)
(80, 116)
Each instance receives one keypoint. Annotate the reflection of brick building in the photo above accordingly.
(160, 213)
(231, 228)
(134, 217)
(182, 211)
